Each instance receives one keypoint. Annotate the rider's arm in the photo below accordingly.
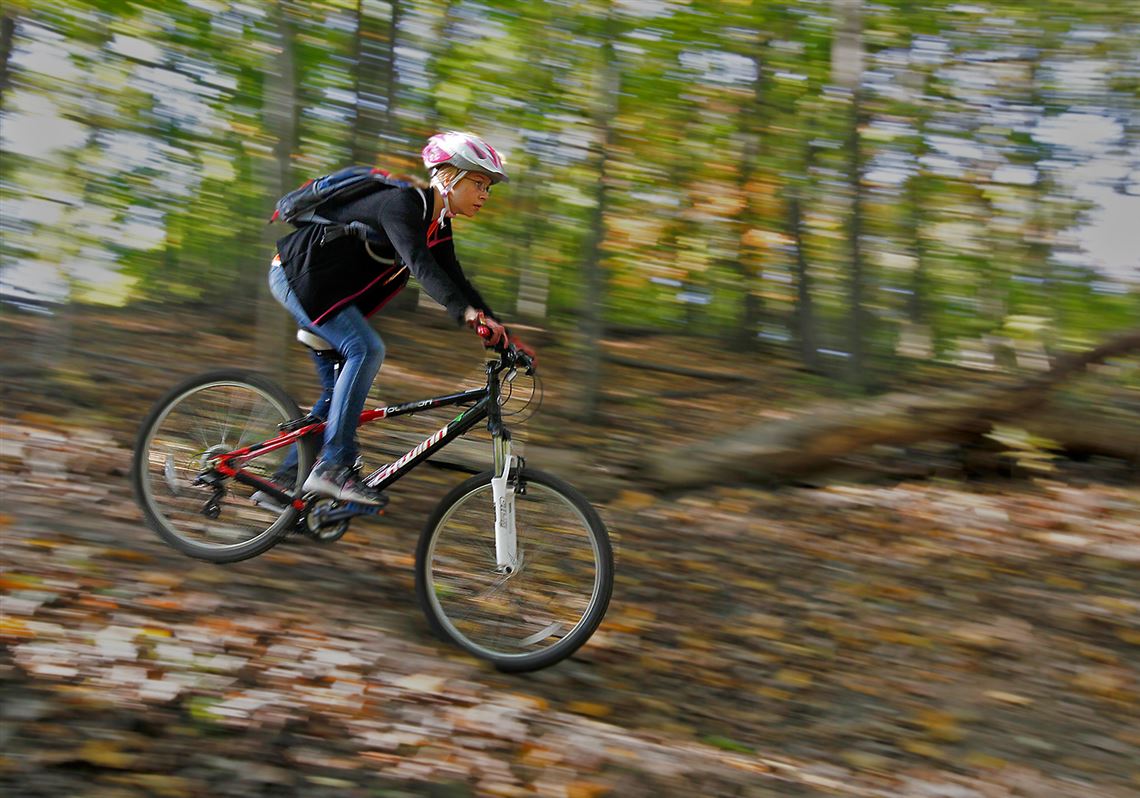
(444, 252)
(402, 220)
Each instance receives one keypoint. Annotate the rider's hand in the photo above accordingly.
(526, 350)
(492, 333)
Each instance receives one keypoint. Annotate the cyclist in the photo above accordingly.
(331, 288)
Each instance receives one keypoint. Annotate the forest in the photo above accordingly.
(838, 311)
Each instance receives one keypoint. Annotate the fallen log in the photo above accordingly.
(778, 451)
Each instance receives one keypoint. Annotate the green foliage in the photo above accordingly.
(971, 215)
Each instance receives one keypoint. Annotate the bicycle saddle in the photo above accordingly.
(314, 341)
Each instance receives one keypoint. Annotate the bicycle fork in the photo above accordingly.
(503, 492)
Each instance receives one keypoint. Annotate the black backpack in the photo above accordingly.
(304, 206)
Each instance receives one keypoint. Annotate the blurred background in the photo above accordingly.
(779, 225)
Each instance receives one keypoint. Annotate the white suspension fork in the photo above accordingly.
(506, 550)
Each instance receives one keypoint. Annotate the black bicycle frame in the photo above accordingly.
(486, 405)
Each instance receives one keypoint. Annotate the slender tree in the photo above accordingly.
(593, 265)
(281, 110)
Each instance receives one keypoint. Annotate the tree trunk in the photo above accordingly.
(751, 273)
(374, 122)
(281, 110)
(593, 268)
(773, 452)
(847, 72)
(858, 318)
(806, 336)
(7, 38)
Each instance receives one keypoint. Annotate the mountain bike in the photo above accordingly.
(514, 565)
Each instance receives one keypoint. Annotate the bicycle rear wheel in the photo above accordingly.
(545, 610)
(202, 417)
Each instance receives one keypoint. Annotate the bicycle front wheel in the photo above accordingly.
(217, 519)
(545, 610)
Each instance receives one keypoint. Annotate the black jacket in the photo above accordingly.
(345, 271)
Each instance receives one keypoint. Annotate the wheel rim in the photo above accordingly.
(204, 421)
(537, 609)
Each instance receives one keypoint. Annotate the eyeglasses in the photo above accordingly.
(482, 186)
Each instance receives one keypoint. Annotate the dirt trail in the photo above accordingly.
(915, 640)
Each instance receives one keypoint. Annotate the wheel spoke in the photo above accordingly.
(542, 611)
(206, 418)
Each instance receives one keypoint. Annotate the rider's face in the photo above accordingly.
(470, 194)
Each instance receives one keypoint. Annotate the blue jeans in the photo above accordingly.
(363, 352)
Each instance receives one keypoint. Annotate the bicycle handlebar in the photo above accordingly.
(511, 355)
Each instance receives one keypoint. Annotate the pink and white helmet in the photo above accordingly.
(466, 152)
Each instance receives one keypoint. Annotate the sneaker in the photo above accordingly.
(342, 482)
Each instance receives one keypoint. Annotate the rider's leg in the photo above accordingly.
(326, 367)
(326, 364)
(363, 352)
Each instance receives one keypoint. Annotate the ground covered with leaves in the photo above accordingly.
(940, 638)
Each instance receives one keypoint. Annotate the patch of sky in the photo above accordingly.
(1014, 175)
(36, 128)
(252, 10)
(1083, 78)
(34, 211)
(940, 165)
(1082, 132)
(929, 50)
(167, 84)
(329, 113)
(42, 56)
(893, 56)
(474, 24)
(1090, 34)
(339, 22)
(141, 234)
(1106, 287)
(129, 150)
(227, 24)
(34, 279)
(1111, 235)
(889, 169)
(661, 198)
(211, 7)
(957, 147)
(787, 46)
(645, 9)
(629, 48)
(720, 67)
(646, 34)
(342, 96)
(136, 49)
(1131, 183)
